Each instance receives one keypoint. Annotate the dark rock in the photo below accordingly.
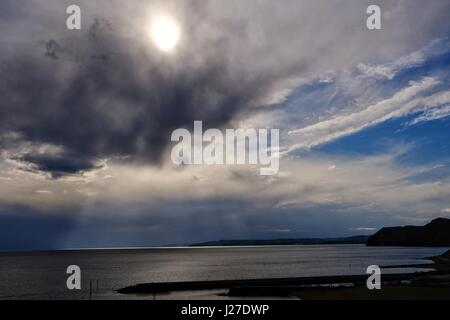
(434, 234)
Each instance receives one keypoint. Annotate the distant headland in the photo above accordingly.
(275, 242)
(434, 234)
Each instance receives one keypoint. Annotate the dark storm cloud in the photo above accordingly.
(107, 92)
(187, 222)
(103, 95)
(23, 228)
(58, 165)
(9, 9)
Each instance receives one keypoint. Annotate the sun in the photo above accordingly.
(165, 33)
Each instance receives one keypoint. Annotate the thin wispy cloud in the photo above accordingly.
(404, 102)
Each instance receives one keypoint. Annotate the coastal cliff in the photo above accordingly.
(434, 234)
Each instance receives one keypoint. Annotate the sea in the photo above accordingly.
(42, 275)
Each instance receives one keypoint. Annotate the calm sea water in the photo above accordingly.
(42, 275)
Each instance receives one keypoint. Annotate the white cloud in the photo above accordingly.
(363, 229)
(408, 100)
(361, 185)
(390, 70)
(44, 192)
(416, 58)
(433, 114)
(281, 230)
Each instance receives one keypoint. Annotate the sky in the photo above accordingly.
(86, 118)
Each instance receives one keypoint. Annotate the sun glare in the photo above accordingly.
(165, 33)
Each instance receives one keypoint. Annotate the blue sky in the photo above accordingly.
(427, 138)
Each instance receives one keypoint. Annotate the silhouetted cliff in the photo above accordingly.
(436, 233)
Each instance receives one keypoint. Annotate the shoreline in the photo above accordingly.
(414, 285)
(270, 284)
